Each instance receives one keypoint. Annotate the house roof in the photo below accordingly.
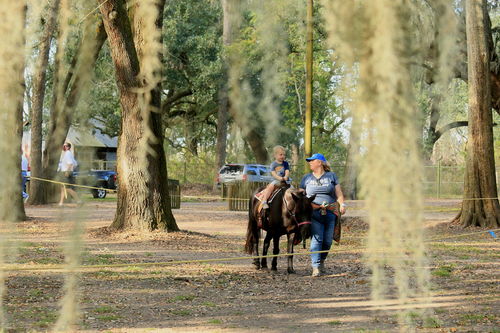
(110, 142)
(83, 137)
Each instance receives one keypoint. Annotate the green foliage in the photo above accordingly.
(328, 113)
(103, 102)
(191, 36)
(188, 168)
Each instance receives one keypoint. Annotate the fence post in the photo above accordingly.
(174, 190)
(439, 179)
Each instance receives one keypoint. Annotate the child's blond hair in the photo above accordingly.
(277, 149)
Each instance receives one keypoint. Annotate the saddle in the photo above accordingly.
(262, 218)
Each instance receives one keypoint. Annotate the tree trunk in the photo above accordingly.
(11, 94)
(480, 206)
(350, 181)
(257, 144)
(431, 138)
(37, 190)
(17, 200)
(159, 168)
(228, 30)
(143, 201)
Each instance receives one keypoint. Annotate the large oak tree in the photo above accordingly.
(143, 200)
(480, 206)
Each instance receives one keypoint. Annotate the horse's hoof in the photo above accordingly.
(256, 266)
(275, 269)
(291, 271)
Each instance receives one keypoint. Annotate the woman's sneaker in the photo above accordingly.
(322, 267)
(316, 272)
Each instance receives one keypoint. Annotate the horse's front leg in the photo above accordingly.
(265, 248)
(276, 251)
(289, 248)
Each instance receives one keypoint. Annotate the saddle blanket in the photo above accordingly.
(258, 196)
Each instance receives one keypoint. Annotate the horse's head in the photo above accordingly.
(302, 211)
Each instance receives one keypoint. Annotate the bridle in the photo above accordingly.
(292, 214)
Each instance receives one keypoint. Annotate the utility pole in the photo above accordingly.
(309, 79)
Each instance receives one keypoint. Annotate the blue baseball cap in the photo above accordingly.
(316, 156)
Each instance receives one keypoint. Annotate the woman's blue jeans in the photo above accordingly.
(322, 235)
(24, 175)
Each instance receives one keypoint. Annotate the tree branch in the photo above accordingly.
(167, 104)
(450, 126)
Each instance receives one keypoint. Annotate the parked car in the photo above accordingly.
(104, 179)
(243, 172)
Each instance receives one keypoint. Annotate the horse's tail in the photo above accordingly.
(252, 229)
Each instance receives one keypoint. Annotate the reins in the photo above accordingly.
(292, 214)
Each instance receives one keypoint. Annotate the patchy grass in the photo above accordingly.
(35, 293)
(46, 319)
(108, 317)
(105, 274)
(104, 309)
(41, 317)
(444, 270)
(459, 249)
(134, 269)
(209, 304)
(182, 313)
(432, 322)
(180, 298)
(99, 259)
(214, 297)
(48, 261)
(474, 318)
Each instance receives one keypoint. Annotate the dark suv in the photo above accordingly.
(104, 179)
(243, 172)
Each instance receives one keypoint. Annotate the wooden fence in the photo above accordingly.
(174, 189)
(238, 194)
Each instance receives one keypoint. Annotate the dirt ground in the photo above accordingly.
(230, 295)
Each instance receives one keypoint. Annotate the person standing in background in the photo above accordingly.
(67, 165)
(24, 175)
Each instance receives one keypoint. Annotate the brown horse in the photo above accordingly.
(289, 214)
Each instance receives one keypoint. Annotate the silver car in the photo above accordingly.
(243, 172)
